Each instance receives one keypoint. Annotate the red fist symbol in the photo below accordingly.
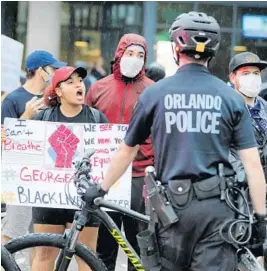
(64, 142)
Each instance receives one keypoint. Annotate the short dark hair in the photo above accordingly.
(30, 74)
(50, 97)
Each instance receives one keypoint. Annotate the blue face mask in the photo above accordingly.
(48, 81)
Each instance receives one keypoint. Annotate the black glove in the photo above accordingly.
(93, 192)
(260, 227)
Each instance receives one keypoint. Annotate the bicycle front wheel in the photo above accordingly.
(56, 241)
(7, 261)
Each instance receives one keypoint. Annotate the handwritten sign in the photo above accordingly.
(38, 162)
(11, 59)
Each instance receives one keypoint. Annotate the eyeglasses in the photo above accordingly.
(45, 70)
(53, 70)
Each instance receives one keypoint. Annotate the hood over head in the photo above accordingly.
(126, 41)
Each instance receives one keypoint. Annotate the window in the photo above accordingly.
(223, 14)
(92, 29)
(22, 21)
(256, 46)
(65, 32)
(168, 11)
(219, 64)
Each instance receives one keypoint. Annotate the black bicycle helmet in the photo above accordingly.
(195, 33)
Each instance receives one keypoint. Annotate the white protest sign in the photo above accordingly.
(37, 161)
(11, 59)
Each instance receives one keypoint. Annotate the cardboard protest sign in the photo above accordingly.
(38, 157)
(11, 60)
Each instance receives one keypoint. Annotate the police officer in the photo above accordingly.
(245, 75)
(193, 117)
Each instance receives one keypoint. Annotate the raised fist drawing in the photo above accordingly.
(64, 142)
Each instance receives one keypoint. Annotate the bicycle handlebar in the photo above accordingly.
(100, 202)
(82, 181)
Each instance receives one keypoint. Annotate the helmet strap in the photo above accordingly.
(209, 60)
(175, 54)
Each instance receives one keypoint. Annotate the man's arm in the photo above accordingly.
(138, 131)
(237, 165)
(255, 176)
(244, 141)
(119, 164)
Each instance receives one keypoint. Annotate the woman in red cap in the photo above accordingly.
(65, 99)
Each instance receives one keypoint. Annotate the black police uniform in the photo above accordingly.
(193, 118)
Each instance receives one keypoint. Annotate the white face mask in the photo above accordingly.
(250, 84)
(130, 66)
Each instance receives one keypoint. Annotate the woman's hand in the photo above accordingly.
(3, 134)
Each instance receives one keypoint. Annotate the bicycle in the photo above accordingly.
(69, 245)
(7, 261)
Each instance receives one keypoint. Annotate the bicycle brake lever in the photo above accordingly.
(84, 162)
(82, 185)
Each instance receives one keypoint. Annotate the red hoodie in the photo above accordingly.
(116, 98)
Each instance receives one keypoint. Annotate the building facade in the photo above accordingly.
(87, 30)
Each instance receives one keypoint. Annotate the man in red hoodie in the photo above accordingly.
(116, 96)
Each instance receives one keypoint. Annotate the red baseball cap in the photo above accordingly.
(64, 73)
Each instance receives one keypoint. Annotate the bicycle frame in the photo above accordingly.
(115, 231)
(81, 218)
